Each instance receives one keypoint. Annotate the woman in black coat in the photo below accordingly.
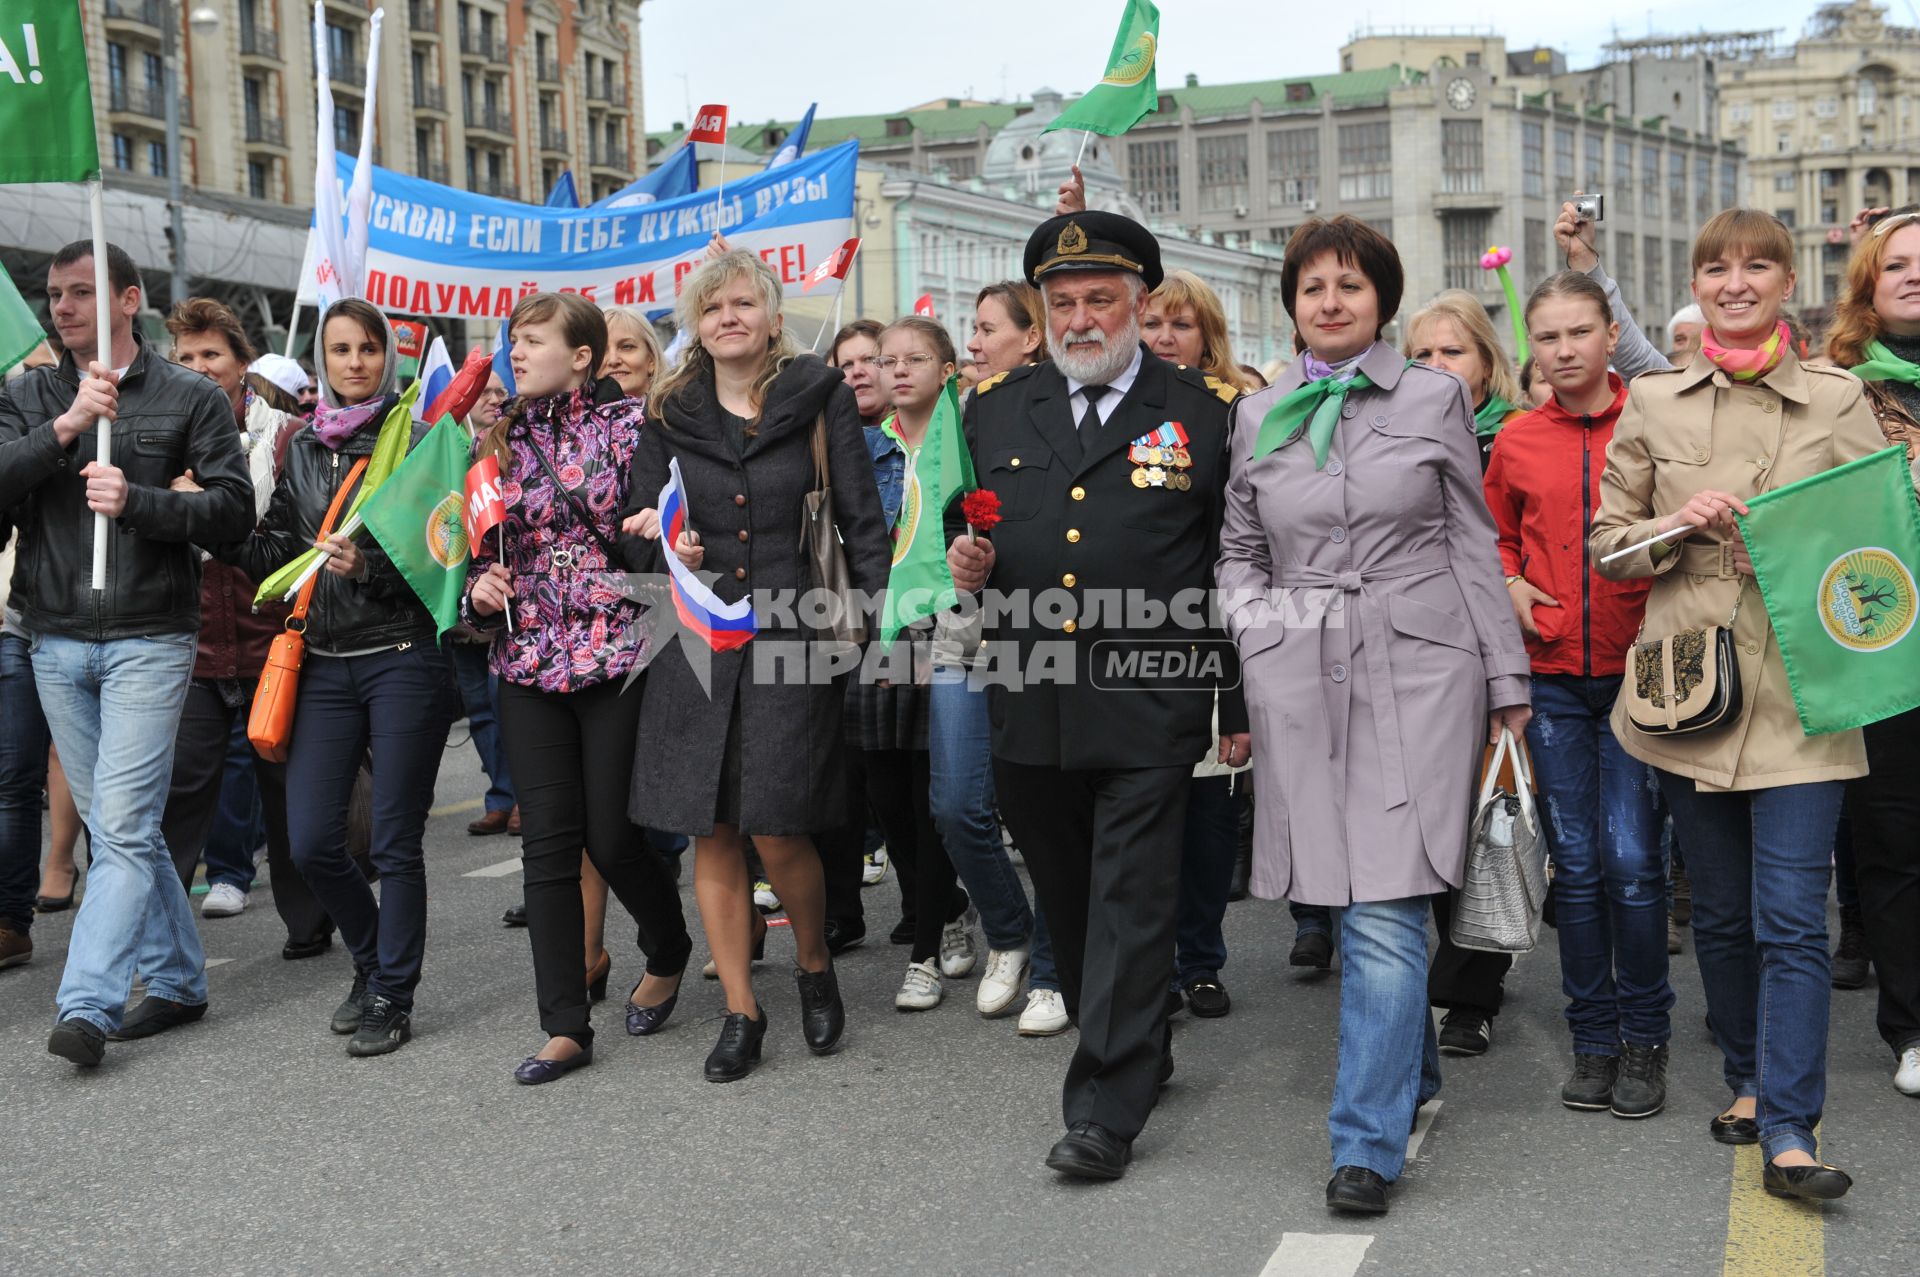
(750, 744)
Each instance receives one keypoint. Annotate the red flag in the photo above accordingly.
(835, 267)
(710, 125)
(409, 338)
(464, 391)
(924, 306)
(485, 507)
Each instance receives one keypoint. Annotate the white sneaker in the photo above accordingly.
(1006, 972)
(224, 900)
(873, 869)
(921, 990)
(763, 898)
(957, 955)
(1906, 1078)
(1046, 1014)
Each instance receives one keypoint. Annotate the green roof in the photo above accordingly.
(947, 123)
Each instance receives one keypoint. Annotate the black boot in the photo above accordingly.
(822, 1016)
(738, 1050)
(1850, 957)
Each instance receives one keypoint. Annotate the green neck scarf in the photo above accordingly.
(1314, 409)
(1489, 417)
(1883, 365)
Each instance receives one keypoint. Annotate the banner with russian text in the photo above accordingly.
(433, 250)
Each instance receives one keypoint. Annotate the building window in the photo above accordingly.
(473, 169)
(1786, 217)
(1655, 260)
(1786, 181)
(1623, 171)
(1629, 273)
(339, 48)
(1703, 186)
(1727, 195)
(1366, 162)
(1536, 246)
(1463, 161)
(1563, 158)
(117, 69)
(1154, 171)
(1293, 166)
(1826, 108)
(1783, 108)
(1677, 186)
(1650, 180)
(1681, 254)
(960, 167)
(157, 158)
(1740, 113)
(1596, 156)
(1463, 239)
(257, 171)
(123, 152)
(1868, 96)
(346, 128)
(422, 151)
(1533, 159)
(1223, 173)
(1867, 136)
(1782, 144)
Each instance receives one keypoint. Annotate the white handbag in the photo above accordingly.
(1497, 908)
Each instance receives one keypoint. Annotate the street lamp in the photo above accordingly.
(204, 20)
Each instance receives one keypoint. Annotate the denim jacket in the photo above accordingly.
(889, 470)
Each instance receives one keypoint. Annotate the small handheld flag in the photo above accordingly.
(1128, 91)
(436, 374)
(835, 267)
(409, 342)
(724, 626)
(710, 125)
(485, 505)
(796, 141)
(924, 306)
(503, 359)
(463, 391)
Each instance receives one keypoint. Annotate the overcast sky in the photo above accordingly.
(768, 58)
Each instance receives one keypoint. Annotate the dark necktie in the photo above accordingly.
(1090, 422)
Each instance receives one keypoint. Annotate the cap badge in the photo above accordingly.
(1072, 240)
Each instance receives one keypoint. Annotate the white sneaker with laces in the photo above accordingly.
(763, 898)
(921, 990)
(1006, 972)
(1046, 1014)
(873, 869)
(1906, 1078)
(224, 900)
(957, 955)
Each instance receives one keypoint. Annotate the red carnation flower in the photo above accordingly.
(981, 508)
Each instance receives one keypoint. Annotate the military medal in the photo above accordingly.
(1139, 478)
(1156, 476)
(1180, 480)
(1182, 458)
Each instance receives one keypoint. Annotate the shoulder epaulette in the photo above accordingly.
(1225, 391)
(983, 387)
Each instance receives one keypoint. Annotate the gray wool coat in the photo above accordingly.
(747, 510)
(1374, 633)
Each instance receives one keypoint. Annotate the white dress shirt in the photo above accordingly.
(1116, 391)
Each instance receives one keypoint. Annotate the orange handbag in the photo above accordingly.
(270, 722)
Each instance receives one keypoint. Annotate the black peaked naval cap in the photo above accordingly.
(1093, 241)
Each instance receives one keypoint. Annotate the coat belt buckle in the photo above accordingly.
(1726, 560)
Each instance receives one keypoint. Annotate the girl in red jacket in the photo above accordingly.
(1543, 485)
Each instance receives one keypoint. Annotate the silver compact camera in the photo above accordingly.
(1590, 208)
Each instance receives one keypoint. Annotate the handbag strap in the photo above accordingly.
(1491, 781)
(300, 605)
(580, 511)
(819, 447)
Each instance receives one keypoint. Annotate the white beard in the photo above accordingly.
(1101, 366)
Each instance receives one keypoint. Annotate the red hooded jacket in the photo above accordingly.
(1543, 486)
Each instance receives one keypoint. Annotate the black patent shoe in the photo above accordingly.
(822, 1016)
(1728, 1129)
(738, 1050)
(1358, 1191)
(1090, 1151)
(534, 1071)
(515, 916)
(1207, 998)
(1818, 1183)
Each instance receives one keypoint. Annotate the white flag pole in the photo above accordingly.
(500, 530)
(1681, 531)
(103, 330)
(293, 329)
(832, 319)
(1085, 137)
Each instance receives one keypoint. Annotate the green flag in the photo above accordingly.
(920, 583)
(20, 332)
(1836, 556)
(46, 108)
(417, 516)
(1128, 90)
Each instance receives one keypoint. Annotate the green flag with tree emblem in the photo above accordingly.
(1128, 90)
(20, 331)
(46, 108)
(417, 516)
(1836, 556)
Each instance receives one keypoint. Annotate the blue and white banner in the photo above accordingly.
(437, 251)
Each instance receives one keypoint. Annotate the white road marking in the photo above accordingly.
(217, 962)
(1318, 1255)
(1428, 1112)
(500, 870)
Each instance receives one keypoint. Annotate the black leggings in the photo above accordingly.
(899, 789)
(571, 755)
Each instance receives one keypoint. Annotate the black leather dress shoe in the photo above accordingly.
(1091, 1151)
(822, 1016)
(1357, 1190)
(738, 1050)
(1821, 1183)
(515, 916)
(79, 1041)
(533, 1070)
(1734, 1130)
(156, 1015)
(1207, 998)
(1312, 949)
(294, 950)
(844, 934)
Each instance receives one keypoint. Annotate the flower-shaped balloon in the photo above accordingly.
(1496, 257)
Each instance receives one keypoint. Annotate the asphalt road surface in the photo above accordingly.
(250, 1143)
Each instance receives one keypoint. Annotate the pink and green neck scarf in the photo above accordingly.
(1747, 365)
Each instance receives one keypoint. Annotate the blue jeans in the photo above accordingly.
(480, 693)
(134, 919)
(960, 748)
(239, 822)
(1610, 883)
(23, 775)
(1759, 861)
(1389, 1059)
(397, 703)
(1206, 875)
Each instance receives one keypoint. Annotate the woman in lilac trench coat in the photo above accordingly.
(1364, 592)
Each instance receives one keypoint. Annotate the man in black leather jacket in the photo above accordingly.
(123, 654)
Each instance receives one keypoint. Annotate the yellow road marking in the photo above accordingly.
(1767, 1236)
(454, 809)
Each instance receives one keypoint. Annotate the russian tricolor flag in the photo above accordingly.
(436, 374)
(724, 626)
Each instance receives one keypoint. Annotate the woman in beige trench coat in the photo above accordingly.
(1359, 567)
(1755, 803)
